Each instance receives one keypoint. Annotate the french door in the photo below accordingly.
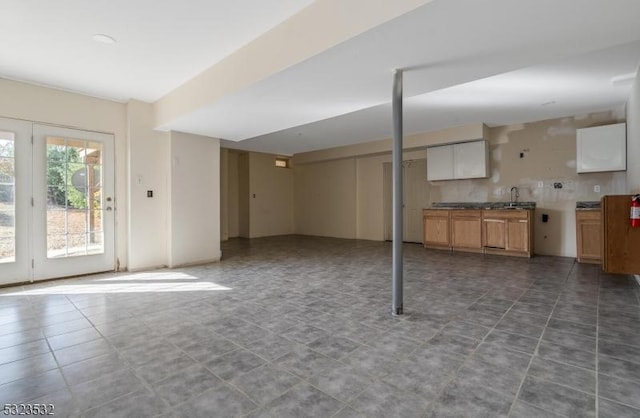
(57, 209)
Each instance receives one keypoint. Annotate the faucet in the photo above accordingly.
(513, 201)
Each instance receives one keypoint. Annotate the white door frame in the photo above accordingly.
(31, 262)
(20, 269)
(43, 266)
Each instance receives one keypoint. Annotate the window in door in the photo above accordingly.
(7, 198)
(74, 197)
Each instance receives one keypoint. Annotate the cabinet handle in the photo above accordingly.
(523, 220)
(494, 220)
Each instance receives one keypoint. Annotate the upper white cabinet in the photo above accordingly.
(464, 160)
(440, 163)
(601, 148)
(470, 160)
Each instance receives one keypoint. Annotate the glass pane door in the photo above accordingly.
(74, 212)
(15, 193)
(7, 198)
(74, 197)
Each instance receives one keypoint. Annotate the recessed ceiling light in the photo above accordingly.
(104, 39)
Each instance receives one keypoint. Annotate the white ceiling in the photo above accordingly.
(160, 43)
(466, 61)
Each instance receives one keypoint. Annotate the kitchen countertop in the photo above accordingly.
(483, 205)
(588, 205)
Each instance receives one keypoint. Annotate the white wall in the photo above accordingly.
(633, 138)
(57, 107)
(149, 170)
(194, 232)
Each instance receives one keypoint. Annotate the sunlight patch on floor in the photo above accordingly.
(130, 283)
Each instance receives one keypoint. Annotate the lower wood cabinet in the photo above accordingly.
(589, 236)
(508, 232)
(436, 227)
(518, 235)
(466, 230)
(494, 233)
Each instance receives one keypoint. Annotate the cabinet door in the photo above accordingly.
(518, 235)
(601, 148)
(466, 232)
(440, 163)
(470, 160)
(494, 233)
(436, 231)
(589, 243)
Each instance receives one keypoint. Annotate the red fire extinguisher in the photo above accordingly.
(635, 211)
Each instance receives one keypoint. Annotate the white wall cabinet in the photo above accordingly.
(464, 160)
(440, 163)
(601, 148)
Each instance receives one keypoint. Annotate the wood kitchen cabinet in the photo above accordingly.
(620, 242)
(517, 235)
(436, 228)
(508, 232)
(589, 236)
(494, 233)
(466, 230)
(497, 231)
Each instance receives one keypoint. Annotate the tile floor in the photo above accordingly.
(299, 326)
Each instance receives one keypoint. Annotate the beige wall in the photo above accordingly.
(150, 232)
(260, 196)
(271, 197)
(244, 212)
(325, 198)
(383, 146)
(233, 197)
(224, 194)
(549, 149)
(149, 170)
(322, 203)
(633, 138)
(194, 231)
(369, 199)
(339, 191)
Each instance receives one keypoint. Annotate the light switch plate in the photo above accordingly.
(596, 188)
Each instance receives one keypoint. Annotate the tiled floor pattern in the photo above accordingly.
(298, 326)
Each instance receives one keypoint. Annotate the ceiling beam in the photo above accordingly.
(322, 25)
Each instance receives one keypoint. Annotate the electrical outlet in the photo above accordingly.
(540, 184)
(596, 188)
(557, 185)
